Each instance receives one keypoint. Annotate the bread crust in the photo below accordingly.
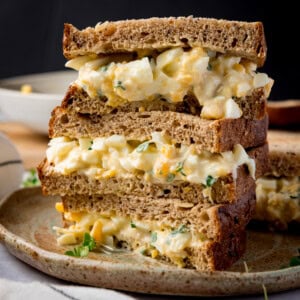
(212, 135)
(242, 39)
(284, 156)
(77, 100)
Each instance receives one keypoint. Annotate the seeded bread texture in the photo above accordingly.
(225, 189)
(284, 156)
(77, 100)
(211, 135)
(242, 39)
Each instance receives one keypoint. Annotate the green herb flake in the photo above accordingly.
(89, 241)
(170, 177)
(143, 147)
(90, 147)
(179, 168)
(209, 67)
(181, 229)
(88, 244)
(210, 180)
(31, 179)
(143, 251)
(295, 260)
(153, 237)
(70, 253)
(80, 251)
(120, 85)
(104, 68)
(132, 225)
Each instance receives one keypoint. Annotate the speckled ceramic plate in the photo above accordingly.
(26, 219)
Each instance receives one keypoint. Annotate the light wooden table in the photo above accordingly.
(31, 145)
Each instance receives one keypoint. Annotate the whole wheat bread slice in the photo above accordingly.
(221, 226)
(214, 222)
(242, 39)
(224, 190)
(284, 156)
(77, 100)
(280, 209)
(211, 135)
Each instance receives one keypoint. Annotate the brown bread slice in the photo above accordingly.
(235, 38)
(279, 209)
(77, 100)
(284, 156)
(221, 226)
(215, 256)
(214, 222)
(211, 135)
(225, 189)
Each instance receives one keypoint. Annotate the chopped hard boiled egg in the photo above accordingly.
(278, 200)
(152, 238)
(158, 159)
(171, 75)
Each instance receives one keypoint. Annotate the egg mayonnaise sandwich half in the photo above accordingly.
(157, 143)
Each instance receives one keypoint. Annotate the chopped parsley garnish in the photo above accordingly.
(295, 260)
(90, 147)
(104, 68)
(170, 177)
(209, 67)
(153, 237)
(143, 147)
(31, 179)
(179, 168)
(143, 251)
(88, 244)
(132, 225)
(80, 251)
(120, 85)
(180, 229)
(210, 180)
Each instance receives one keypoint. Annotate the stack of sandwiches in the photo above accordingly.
(278, 192)
(156, 146)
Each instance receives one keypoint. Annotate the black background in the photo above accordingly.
(31, 31)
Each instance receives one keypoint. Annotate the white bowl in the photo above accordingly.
(11, 167)
(34, 109)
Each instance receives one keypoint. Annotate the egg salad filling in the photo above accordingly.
(157, 160)
(151, 238)
(214, 79)
(278, 199)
